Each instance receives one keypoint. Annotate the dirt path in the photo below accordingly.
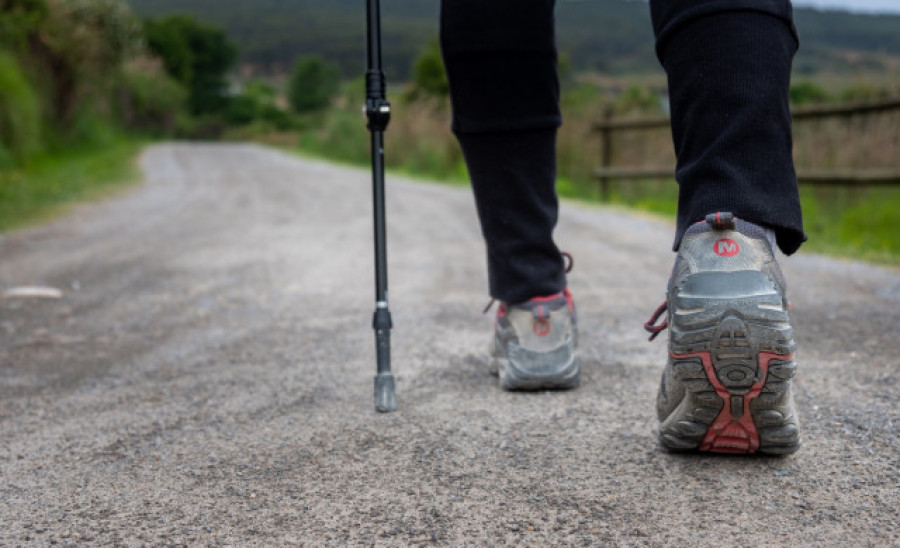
(206, 377)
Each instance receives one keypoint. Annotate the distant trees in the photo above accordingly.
(429, 75)
(611, 36)
(312, 84)
(196, 55)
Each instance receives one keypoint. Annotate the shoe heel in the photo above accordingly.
(514, 378)
(731, 347)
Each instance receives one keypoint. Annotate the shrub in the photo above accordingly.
(277, 117)
(86, 41)
(19, 19)
(242, 109)
(429, 75)
(258, 102)
(20, 114)
(150, 99)
(865, 92)
(196, 55)
(637, 100)
(313, 84)
(807, 92)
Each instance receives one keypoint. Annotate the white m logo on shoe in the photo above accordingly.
(726, 247)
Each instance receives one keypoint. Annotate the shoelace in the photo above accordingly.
(569, 263)
(651, 326)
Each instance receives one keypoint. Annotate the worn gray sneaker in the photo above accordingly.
(534, 344)
(727, 385)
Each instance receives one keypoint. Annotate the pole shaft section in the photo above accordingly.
(373, 12)
(378, 112)
(380, 225)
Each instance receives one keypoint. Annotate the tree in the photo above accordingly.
(18, 19)
(429, 75)
(196, 55)
(313, 83)
(70, 52)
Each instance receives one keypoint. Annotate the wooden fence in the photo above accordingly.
(844, 177)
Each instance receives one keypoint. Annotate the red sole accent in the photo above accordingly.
(727, 433)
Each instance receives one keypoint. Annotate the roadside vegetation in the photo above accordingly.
(84, 82)
(51, 182)
(851, 222)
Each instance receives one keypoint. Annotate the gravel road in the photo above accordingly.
(206, 378)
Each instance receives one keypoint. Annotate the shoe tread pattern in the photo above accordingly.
(733, 355)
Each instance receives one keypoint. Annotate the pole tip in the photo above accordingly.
(385, 400)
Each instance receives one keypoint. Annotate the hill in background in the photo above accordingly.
(609, 36)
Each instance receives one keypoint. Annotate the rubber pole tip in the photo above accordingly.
(385, 400)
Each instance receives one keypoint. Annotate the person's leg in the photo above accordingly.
(500, 57)
(727, 384)
(501, 66)
(728, 64)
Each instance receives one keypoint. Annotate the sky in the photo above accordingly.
(863, 6)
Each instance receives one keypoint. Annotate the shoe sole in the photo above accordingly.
(731, 346)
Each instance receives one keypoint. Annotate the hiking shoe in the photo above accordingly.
(727, 385)
(534, 344)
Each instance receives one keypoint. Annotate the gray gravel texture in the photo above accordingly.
(206, 378)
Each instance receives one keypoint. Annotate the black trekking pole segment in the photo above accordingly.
(378, 113)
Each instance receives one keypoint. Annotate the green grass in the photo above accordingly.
(853, 222)
(50, 183)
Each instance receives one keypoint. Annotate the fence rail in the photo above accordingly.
(842, 177)
(869, 177)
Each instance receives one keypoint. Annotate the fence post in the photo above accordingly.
(606, 152)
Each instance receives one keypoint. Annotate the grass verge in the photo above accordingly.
(853, 223)
(857, 223)
(50, 183)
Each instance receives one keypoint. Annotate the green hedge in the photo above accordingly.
(20, 115)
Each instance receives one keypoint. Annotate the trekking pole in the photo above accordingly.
(378, 113)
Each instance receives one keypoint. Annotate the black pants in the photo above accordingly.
(728, 64)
